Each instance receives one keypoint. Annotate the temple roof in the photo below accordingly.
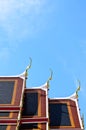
(11, 96)
(66, 110)
(24, 108)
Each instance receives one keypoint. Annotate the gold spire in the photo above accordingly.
(78, 89)
(50, 78)
(27, 68)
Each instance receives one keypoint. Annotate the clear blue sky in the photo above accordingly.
(53, 34)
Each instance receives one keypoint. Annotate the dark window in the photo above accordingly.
(6, 91)
(3, 127)
(59, 115)
(28, 126)
(3, 114)
(30, 104)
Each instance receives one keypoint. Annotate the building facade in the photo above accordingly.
(23, 108)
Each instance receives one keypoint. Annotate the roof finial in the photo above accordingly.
(78, 89)
(50, 78)
(27, 68)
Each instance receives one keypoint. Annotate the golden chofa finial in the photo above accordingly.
(27, 68)
(78, 89)
(50, 78)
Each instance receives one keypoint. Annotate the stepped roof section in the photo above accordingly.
(14, 99)
(22, 108)
(35, 108)
(64, 113)
(11, 99)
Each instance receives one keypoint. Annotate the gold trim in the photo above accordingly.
(39, 103)
(8, 127)
(39, 107)
(13, 97)
(70, 113)
(14, 92)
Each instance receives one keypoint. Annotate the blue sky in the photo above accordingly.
(53, 34)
